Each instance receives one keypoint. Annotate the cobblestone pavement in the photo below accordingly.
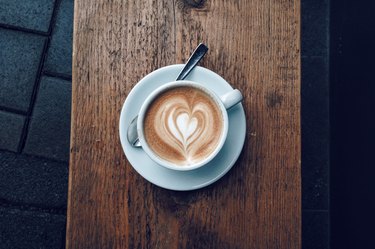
(35, 97)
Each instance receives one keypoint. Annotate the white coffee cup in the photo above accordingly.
(224, 102)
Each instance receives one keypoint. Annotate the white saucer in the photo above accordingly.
(182, 180)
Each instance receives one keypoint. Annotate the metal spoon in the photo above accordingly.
(196, 56)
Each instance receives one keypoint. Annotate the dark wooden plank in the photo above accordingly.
(255, 46)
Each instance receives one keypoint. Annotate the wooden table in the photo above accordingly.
(255, 45)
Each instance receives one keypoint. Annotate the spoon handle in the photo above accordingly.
(197, 55)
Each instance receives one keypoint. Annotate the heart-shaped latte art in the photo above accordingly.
(183, 127)
(187, 128)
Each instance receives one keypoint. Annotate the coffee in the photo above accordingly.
(183, 125)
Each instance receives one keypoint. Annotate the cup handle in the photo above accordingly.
(231, 98)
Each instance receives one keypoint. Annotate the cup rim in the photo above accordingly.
(145, 106)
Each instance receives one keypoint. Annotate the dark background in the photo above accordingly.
(352, 102)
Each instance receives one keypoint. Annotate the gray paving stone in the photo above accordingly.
(29, 229)
(35, 14)
(33, 181)
(49, 131)
(59, 57)
(11, 126)
(20, 55)
(315, 230)
(314, 27)
(315, 133)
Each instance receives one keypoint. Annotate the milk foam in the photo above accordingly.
(183, 127)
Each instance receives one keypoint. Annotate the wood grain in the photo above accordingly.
(255, 45)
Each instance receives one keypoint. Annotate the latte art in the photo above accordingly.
(183, 125)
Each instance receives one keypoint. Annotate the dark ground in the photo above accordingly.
(352, 124)
(35, 95)
(35, 83)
